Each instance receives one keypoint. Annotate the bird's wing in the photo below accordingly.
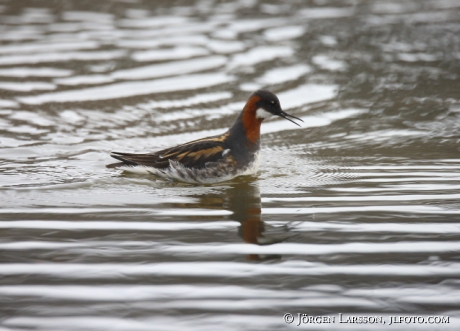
(193, 154)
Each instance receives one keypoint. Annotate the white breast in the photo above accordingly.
(253, 167)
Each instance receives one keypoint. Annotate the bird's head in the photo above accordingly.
(269, 105)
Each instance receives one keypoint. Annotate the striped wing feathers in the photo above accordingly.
(194, 154)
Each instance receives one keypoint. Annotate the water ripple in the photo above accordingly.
(130, 89)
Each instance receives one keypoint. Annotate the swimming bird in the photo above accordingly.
(212, 159)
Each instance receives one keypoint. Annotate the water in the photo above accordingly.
(356, 212)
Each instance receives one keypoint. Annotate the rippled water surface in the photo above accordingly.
(357, 212)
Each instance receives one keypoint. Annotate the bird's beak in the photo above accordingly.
(285, 115)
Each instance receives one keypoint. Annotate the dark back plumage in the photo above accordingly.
(194, 154)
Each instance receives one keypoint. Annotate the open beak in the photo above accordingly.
(285, 115)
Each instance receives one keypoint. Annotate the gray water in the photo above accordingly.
(356, 212)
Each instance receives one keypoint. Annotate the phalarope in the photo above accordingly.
(212, 159)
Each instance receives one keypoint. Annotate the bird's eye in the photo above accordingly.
(272, 102)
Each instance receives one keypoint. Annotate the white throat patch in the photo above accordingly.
(262, 113)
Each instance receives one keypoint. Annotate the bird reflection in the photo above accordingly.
(243, 200)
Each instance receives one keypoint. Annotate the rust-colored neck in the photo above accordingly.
(250, 122)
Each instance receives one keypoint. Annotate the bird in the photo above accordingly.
(212, 159)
